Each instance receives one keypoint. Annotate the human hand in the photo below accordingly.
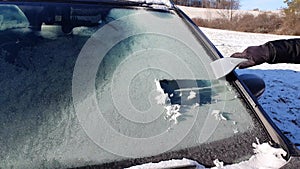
(255, 54)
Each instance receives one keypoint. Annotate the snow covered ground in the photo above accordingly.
(281, 100)
(206, 13)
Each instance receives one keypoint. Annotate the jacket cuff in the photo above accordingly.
(272, 52)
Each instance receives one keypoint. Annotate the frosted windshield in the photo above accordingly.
(122, 83)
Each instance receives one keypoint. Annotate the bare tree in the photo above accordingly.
(228, 4)
(218, 4)
(228, 7)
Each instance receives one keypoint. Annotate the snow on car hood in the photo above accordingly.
(265, 157)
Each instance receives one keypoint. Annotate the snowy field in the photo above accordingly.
(281, 100)
(206, 13)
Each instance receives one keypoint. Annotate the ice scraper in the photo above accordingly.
(224, 66)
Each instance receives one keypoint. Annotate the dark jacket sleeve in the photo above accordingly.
(284, 51)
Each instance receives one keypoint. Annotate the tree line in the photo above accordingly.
(217, 4)
(288, 23)
(292, 17)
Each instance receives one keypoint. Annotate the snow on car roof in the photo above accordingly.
(165, 2)
(160, 2)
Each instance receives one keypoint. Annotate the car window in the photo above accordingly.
(12, 17)
(93, 84)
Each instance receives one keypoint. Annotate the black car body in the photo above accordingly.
(78, 89)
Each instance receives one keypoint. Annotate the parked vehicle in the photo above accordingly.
(112, 84)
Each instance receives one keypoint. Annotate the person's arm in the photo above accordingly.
(284, 51)
(279, 51)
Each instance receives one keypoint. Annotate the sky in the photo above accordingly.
(262, 4)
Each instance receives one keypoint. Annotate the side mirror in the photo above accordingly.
(255, 84)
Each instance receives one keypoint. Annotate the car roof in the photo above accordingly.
(161, 2)
(152, 3)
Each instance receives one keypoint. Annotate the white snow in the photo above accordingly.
(206, 13)
(158, 87)
(168, 164)
(218, 115)
(165, 2)
(192, 95)
(265, 157)
(173, 112)
(195, 105)
(235, 130)
(162, 98)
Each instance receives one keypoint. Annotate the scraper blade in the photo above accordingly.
(224, 66)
